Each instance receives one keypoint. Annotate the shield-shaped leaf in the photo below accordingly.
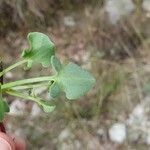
(41, 49)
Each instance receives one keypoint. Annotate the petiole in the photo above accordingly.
(12, 67)
(27, 81)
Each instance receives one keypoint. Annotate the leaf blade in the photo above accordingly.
(56, 64)
(75, 81)
(4, 108)
(54, 90)
(41, 49)
(47, 108)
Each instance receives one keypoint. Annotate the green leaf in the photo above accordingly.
(56, 64)
(54, 90)
(46, 106)
(41, 49)
(146, 88)
(4, 108)
(74, 81)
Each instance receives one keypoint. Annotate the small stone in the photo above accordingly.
(117, 133)
(102, 134)
(133, 134)
(64, 135)
(146, 5)
(93, 144)
(69, 21)
(39, 90)
(139, 123)
(77, 144)
(17, 108)
(148, 139)
(137, 116)
(36, 111)
(118, 8)
(66, 146)
(20, 133)
(9, 75)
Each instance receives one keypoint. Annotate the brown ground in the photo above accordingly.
(118, 57)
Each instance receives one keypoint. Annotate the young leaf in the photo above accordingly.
(4, 108)
(41, 49)
(46, 106)
(56, 64)
(74, 81)
(54, 90)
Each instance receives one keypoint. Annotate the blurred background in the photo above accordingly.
(111, 39)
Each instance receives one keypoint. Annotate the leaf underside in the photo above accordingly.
(55, 90)
(75, 81)
(41, 49)
(56, 64)
(72, 79)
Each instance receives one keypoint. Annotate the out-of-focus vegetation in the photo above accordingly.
(34, 13)
(113, 46)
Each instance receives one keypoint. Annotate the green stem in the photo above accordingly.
(27, 81)
(12, 67)
(30, 86)
(20, 95)
(1, 91)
